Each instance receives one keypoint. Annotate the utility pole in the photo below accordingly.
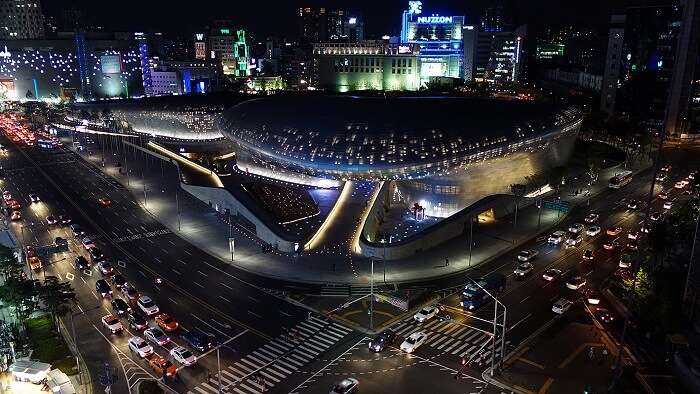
(371, 297)
(471, 239)
(177, 207)
(218, 368)
(495, 329)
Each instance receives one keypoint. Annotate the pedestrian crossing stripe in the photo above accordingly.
(276, 360)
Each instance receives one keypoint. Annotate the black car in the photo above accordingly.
(382, 341)
(77, 230)
(137, 321)
(119, 281)
(199, 340)
(96, 254)
(81, 263)
(64, 219)
(102, 288)
(120, 307)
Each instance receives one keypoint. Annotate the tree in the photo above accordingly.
(56, 297)
(659, 240)
(21, 293)
(518, 190)
(554, 176)
(9, 265)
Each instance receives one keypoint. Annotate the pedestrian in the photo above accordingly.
(591, 353)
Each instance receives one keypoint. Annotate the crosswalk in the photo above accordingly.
(453, 338)
(275, 360)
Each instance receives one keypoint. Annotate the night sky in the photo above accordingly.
(277, 17)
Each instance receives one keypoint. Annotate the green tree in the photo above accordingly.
(22, 294)
(56, 297)
(9, 265)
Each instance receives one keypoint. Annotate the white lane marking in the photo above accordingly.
(254, 314)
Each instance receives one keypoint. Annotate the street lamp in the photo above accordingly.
(495, 328)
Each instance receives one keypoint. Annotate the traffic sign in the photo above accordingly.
(557, 205)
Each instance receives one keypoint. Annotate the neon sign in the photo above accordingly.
(415, 7)
(199, 36)
(437, 19)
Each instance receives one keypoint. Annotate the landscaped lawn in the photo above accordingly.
(49, 346)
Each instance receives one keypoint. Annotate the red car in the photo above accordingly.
(105, 202)
(166, 322)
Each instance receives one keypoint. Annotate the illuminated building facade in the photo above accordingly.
(21, 20)
(368, 65)
(50, 69)
(473, 147)
(493, 56)
(439, 38)
(229, 46)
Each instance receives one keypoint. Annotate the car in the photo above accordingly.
(679, 185)
(633, 204)
(199, 340)
(551, 274)
(6, 195)
(666, 168)
(34, 198)
(633, 244)
(576, 228)
(118, 281)
(574, 240)
(523, 269)
(112, 323)
(661, 177)
(96, 254)
(105, 202)
(157, 336)
(426, 313)
(120, 307)
(588, 255)
(562, 305)
(557, 237)
(382, 340)
(105, 267)
(51, 219)
(130, 293)
(161, 366)
(633, 235)
(34, 263)
(88, 243)
(591, 218)
(346, 386)
(655, 216)
(77, 230)
(604, 315)
(610, 244)
(688, 191)
(668, 205)
(593, 231)
(528, 254)
(140, 347)
(166, 322)
(82, 263)
(14, 204)
(644, 229)
(685, 182)
(625, 261)
(102, 288)
(65, 219)
(413, 342)
(692, 175)
(592, 297)
(575, 282)
(147, 305)
(183, 356)
(137, 321)
(613, 231)
(663, 195)
(16, 215)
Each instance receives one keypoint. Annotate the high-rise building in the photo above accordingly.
(21, 19)
(354, 29)
(493, 19)
(493, 56)
(200, 46)
(228, 45)
(613, 64)
(321, 24)
(439, 38)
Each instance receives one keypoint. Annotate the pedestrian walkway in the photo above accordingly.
(451, 337)
(272, 363)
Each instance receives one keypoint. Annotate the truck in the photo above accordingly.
(474, 296)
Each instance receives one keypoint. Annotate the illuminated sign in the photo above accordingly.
(111, 64)
(225, 31)
(5, 53)
(200, 50)
(404, 49)
(415, 7)
(437, 19)
(199, 36)
(352, 21)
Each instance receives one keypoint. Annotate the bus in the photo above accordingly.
(620, 180)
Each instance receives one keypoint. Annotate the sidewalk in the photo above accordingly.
(198, 224)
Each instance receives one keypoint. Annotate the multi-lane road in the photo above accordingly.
(251, 324)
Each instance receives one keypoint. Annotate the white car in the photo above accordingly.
(573, 241)
(426, 314)
(51, 220)
(88, 243)
(576, 228)
(668, 205)
(413, 342)
(661, 177)
(679, 185)
(147, 305)
(112, 323)
(591, 218)
(593, 231)
(551, 274)
(557, 237)
(157, 336)
(625, 261)
(523, 269)
(527, 255)
(561, 306)
(139, 346)
(183, 356)
(575, 283)
(655, 216)
(663, 195)
(633, 235)
(34, 198)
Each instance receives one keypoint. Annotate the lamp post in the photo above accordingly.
(471, 239)
(495, 328)
(371, 296)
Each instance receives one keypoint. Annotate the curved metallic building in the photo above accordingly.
(444, 152)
